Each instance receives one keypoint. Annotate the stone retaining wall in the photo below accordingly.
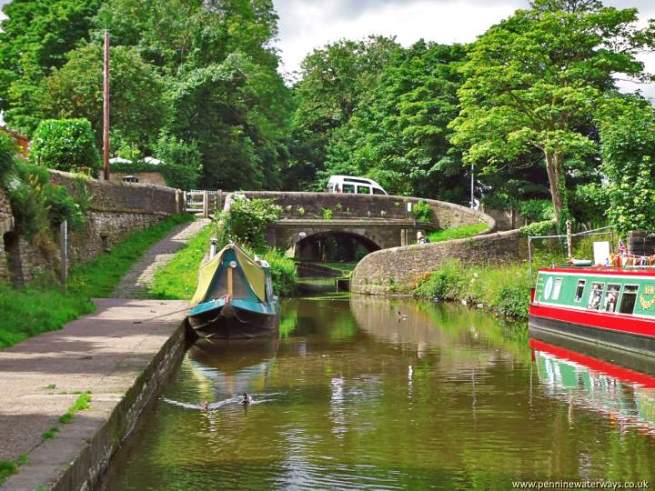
(114, 210)
(398, 270)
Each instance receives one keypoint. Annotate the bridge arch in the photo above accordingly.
(333, 246)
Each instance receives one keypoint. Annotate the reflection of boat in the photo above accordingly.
(234, 297)
(626, 395)
(234, 355)
(610, 306)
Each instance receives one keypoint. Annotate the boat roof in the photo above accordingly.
(601, 270)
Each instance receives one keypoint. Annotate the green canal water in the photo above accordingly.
(366, 393)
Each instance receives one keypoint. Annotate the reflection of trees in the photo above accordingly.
(439, 397)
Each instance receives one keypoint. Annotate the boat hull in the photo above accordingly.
(615, 339)
(231, 322)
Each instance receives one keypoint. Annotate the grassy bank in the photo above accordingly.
(177, 279)
(44, 306)
(457, 232)
(502, 288)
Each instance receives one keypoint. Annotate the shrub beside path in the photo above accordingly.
(136, 282)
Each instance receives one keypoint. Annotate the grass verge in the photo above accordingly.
(502, 288)
(177, 280)
(44, 306)
(457, 232)
(10, 467)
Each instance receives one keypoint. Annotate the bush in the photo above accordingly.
(422, 211)
(247, 220)
(537, 210)
(539, 228)
(283, 272)
(447, 283)
(65, 144)
(7, 153)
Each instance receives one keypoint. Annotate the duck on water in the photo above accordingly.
(234, 297)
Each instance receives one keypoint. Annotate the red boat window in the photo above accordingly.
(611, 298)
(628, 299)
(579, 291)
(596, 294)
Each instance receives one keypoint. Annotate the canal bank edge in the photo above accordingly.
(398, 270)
(78, 456)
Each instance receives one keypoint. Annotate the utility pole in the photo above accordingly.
(105, 111)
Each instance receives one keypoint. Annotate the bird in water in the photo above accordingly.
(401, 316)
(247, 399)
(204, 406)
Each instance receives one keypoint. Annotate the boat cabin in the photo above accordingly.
(606, 290)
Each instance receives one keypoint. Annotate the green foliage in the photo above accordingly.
(43, 306)
(327, 213)
(178, 279)
(248, 219)
(423, 212)
(51, 433)
(546, 227)
(137, 105)
(34, 39)
(458, 232)
(534, 81)
(82, 403)
(399, 136)
(486, 285)
(65, 144)
(7, 154)
(628, 143)
(536, 210)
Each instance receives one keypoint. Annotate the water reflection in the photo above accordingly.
(366, 393)
(624, 396)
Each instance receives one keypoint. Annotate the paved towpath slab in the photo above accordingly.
(105, 353)
(136, 282)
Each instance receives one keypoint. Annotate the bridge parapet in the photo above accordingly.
(298, 205)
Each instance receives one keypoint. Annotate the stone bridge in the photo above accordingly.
(311, 220)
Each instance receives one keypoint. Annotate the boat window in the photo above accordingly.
(611, 298)
(629, 299)
(557, 287)
(596, 294)
(348, 188)
(579, 291)
(363, 190)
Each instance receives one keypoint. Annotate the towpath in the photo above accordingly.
(111, 354)
(136, 282)
(121, 354)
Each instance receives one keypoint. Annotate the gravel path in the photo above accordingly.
(137, 280)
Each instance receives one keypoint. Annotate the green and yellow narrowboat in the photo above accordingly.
(234, 297)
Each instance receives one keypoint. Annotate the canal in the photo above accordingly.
(366, 393)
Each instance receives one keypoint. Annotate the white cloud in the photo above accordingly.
(308, 24)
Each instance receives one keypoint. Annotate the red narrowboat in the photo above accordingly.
(607, 306)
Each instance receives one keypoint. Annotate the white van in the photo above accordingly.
(354, 185)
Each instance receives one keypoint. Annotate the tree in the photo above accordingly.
(627, 130)
(335, 80)
(137, 106)
(534, 81)
(399, 136)
(34, 39)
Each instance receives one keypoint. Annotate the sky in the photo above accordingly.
(308, 24)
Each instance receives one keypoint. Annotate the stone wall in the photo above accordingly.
(399, 269)
(312, 205)
(6, 225)
(113, 211)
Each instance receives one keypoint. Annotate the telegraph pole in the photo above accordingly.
(105, 110)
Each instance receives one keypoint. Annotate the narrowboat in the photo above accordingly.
(234, 297)
(607, 306)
